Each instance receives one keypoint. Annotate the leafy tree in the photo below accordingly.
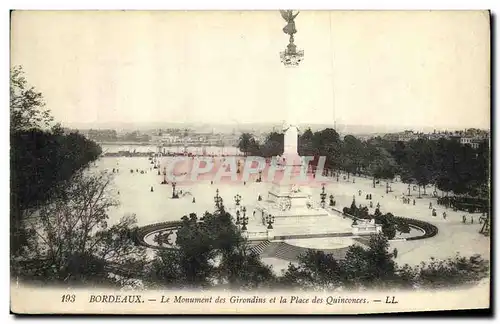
(451, 272)
(421, 164)
(41, 165)
(388, 223)
(327, 143)
(306, 145)
(382, 170)
(70, 239)
(211, 252)
(381, 266)
(42, 159)
(315, 271)
(270, 149)
(27, 107)
(352, 150)
(247, 144)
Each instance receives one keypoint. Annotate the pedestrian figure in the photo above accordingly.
(212, 182)
(444, 215)
(353, 181)
(152, 189)
(359, 192)
(413, 202)
(464, 219)
(378, 205)
(395, 253)
(472, 220)
(367, 197)
(118, 191)
(244, 183)
(430, 205)
(434, 212)
(194, 200)
(371, 204)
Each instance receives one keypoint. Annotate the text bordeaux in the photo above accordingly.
(131, 299)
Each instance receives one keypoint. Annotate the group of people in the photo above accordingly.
(407, 200)
(464, 219)
(137, 171)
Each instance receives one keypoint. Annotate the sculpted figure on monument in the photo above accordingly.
(289, 17)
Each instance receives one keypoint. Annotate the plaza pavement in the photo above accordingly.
(153, 207)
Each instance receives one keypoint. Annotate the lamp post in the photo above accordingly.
(237, 199)
(217, 199)
(237, 217)
(270, 221)
(323, 196)
(174, 194)
(244, 219)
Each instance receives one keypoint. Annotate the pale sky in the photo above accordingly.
(364, 68)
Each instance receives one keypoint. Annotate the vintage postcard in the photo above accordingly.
(249, 162)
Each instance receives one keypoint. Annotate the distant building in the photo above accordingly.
(472, 137)
(474, 142)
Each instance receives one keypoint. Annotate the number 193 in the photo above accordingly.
(68, 298)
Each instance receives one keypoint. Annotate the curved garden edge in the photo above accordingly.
(428, 229)
(141, 232)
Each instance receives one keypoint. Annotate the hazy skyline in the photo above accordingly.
(397, 69)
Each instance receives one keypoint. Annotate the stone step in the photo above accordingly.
(260, 247)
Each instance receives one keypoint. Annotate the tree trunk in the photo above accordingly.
(373, 182)
(419, 192)
(424, 190)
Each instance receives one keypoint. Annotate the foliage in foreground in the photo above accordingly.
(212, 254)
(69, 240)
(374, 268)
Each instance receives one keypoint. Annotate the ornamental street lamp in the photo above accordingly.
(237, 199)
(237, 217)
(244, 219)
(174, 194)
(218, 200)
(323, 196)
